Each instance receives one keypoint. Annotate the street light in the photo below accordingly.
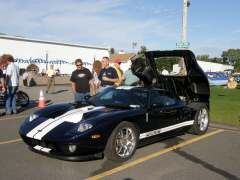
(46, 60)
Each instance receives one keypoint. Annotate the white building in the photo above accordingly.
(207, 66)
(25, 49)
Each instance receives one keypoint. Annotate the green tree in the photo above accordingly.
(166, 62)
(143, 49)
(232, 57)
(203, 57)
(112, 51)
(216, 60)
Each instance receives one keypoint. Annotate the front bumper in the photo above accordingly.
(44, 151)
(85, 150)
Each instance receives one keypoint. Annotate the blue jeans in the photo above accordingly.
(10, 99)
(80, 96)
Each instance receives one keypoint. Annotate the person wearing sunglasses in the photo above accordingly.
(81, 80)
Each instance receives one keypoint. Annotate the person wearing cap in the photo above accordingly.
(116, 66)
(164, 71)
(107, 76)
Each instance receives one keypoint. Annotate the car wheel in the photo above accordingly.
(201, 120)
(23, 99)
(122, 143)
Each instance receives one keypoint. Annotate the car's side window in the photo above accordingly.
(169, 99)
(164, 97)
(156, 97)
(108, 95)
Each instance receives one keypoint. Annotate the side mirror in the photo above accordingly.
(87, 97)
(157, 105)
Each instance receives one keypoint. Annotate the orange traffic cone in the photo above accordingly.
(41, 102)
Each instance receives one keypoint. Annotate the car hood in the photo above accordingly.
(55, 128)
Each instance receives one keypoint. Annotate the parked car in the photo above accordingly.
(228, 71)
(236, 77)
(116, 121)
(216, 78)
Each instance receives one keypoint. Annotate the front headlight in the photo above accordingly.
(33, 116)
(82, 127)
(30, 118)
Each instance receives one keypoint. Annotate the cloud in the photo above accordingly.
(235, 32)
(158, 11)
(169, 9)
(97, 23)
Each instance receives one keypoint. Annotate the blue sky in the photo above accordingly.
(213, 26)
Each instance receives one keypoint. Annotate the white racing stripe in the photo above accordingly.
(73, 116)
(166, 129)
(48, 128)
(39, 127)
(40, 148)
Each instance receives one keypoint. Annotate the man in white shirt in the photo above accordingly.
(51, 73)
(12, 80)
(25, 78)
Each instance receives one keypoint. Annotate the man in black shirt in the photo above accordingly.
(81, 80)
(107, 76)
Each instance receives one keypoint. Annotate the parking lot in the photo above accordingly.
(214, 155)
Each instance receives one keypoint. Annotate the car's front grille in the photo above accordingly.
(42, 143)
(34, 142)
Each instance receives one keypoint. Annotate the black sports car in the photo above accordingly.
(118, 120)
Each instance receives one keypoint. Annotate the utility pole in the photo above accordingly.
(186, 4)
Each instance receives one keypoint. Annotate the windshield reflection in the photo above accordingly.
(120, 98)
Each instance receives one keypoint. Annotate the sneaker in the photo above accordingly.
(14, 112)
(8, 114)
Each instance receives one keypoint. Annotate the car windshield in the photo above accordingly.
(122, 98)
(222, 74)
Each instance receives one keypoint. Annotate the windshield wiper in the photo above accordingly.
(89, 102)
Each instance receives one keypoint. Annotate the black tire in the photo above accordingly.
(122, 143)
(23, 99)
(201, 120)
